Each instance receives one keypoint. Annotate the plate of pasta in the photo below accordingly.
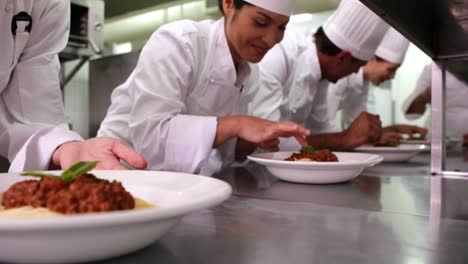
(117, 212)
(315, 166)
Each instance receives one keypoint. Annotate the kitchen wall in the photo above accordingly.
(76, 99)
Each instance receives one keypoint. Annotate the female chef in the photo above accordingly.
(33, 131)
(179, 107)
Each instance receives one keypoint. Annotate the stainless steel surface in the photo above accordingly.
(438, 116)
(387, 187)
(245, 230)
(105, 74)
(381, 217)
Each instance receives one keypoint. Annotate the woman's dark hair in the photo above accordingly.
(325, 45)
(237, 3)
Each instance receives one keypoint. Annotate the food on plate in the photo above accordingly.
(387, 143)
(74, 192)
(308, 153)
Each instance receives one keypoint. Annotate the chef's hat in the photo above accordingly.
(282, 7)
(393, 47)
(355, 28)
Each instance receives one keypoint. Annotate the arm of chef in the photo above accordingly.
(32, 145)
(160, 127)
(32, 98)
(424, 81)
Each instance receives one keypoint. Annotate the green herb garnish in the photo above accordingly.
(392, 143)
(307, 149)
(70, 174)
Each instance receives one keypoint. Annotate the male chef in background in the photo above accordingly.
(350, 94)
(296, 72)
(33, 131)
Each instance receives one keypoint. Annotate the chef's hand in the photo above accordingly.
(418, 106)
(261, 132)
(366, 128)
(390, 138)
(107, 151)
(409, 130)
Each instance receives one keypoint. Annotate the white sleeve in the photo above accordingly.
(318, 120)
(335, 100)
(32, 146)
(115, 124)
(265, 98)
(159, 128)
(424, 81)
(355, 98)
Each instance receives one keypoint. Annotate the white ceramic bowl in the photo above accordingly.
(416, 142)
(90, 237)
(400, 153)
(349, 165)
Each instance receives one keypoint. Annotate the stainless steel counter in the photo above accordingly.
(383, 216)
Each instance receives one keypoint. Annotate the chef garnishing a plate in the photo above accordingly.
(179, 107)
(33, 131)
(350, 94)
(295, 75)
(456, 112)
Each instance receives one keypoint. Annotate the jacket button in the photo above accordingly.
(9, 7)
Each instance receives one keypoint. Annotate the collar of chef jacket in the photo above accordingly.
(225, 68)
(357, 84)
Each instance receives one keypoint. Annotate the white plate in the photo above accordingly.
(349, 165)
(416, 142)
(401, 153)
(90, 237)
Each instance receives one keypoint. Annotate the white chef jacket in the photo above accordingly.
(423, 82)
(456, 106)
(291, 86)
(167, 109)
(349, 94)
(32, 123)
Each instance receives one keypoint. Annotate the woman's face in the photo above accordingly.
(251, 31)
(379, 71)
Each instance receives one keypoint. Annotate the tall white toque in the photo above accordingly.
(282, 7)
(355, 28)
(393, 47)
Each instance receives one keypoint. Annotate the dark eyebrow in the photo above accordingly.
(269, 18)
(265, 15)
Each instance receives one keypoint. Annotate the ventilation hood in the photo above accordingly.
(437, 27)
